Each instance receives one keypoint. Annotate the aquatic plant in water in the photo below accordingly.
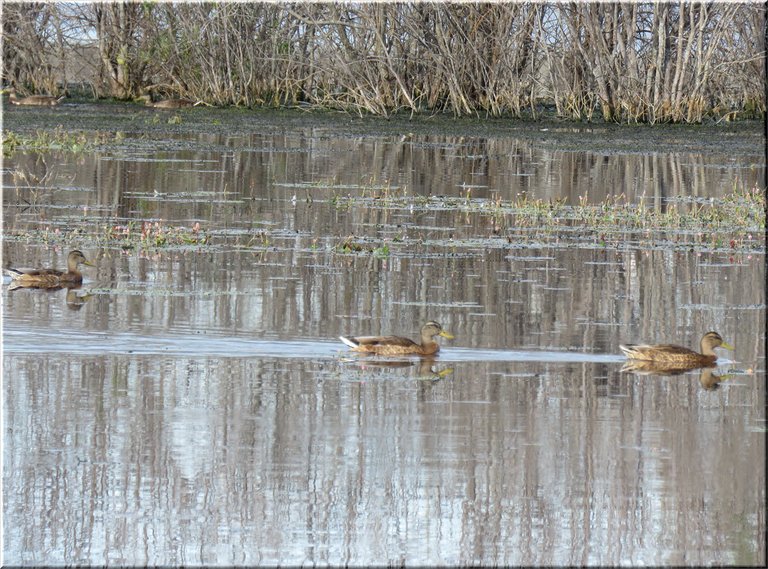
(155, 234)
(56, 139)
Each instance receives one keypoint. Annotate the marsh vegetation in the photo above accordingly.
(617, 62)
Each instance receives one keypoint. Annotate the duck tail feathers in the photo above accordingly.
(348, 342)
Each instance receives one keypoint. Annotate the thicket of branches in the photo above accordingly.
(625, 62)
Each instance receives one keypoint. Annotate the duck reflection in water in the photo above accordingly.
(707, 378)
(426, 366)
(74, 300)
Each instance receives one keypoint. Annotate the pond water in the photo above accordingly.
(191, 404)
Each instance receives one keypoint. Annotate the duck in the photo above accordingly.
(173, 104)
(678, 355)
(167, 103)
(50, 278)
(33, 100)
(397, 345)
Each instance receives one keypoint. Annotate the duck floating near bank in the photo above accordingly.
(167, 103)
(678, 355)
(33, 100)
(397, 345)
(49, 278)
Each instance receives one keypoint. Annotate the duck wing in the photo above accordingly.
(378, 341)
(654, 351)
(22, 273)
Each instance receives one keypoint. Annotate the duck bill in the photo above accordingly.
(727, 346)
(88, 264)
(445, 334)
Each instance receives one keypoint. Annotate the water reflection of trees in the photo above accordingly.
(247, 179)
(497, 295)
(549, 298)
(223, 455)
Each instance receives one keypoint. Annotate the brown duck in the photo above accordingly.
(678, 355)
(168, 103)
(397, 345)
(48, 278)
(33, 100)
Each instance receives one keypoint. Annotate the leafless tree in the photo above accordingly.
(621, 61)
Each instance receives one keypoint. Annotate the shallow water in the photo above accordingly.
(191, 404)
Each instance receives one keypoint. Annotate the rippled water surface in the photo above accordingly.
(191, 403)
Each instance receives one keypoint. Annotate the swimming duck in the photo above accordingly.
(671, 354)
(396, 345)
(33, 100)
(48, 278)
